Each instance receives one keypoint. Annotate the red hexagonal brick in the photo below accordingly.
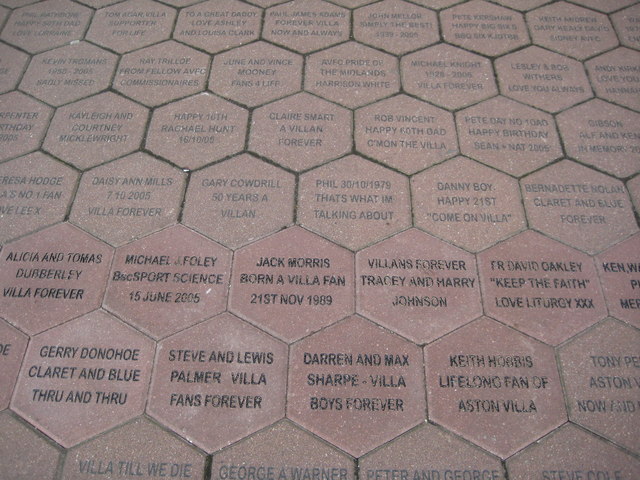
(103, 370)
(301, 131)
(579, 206)
(448, 76)
(12, 63)
(613, 78)
(352, 74)
(12, 347)
(507, 135)
(168, 281)
(52, 276)
(540, 287)
(218, 382)
(354, 202)
(240, 200)
(355, 385)
(25, 123)
(405, 133)
(626, 23)
(494, 386)
(395, 26)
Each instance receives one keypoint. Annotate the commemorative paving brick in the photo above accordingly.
(417, 285)
(607, 6)
(131, 24)
(23, 124)
(395, 26)
(301, 131)
(282, 452)
(507, 135)
(543, 79)
(540, 287)
(239, 200)
(84, 377)
(603, 135)
(13, 344)
(99, 3)
(355, 385)
(217, 25)
(448, 76)
(522, 5)
(354, 202)
(197, 130)
(218, 382)
(633, 186)
(106, 125)
(12, 64)
(579, 206)
(494, 386)
(138, 449)
(353, 3)
(168, 281)
(600, 371)
(45, 25)
(484, 28)
(256, 74)
(469, 196)
(405, 133)
(52, 276)
(614, 76)
(69, 73)
(306, 25)
(292, 283)
(571, 30)
(128, 198)
(626, 24)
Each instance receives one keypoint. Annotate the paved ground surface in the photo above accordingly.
(309, 240)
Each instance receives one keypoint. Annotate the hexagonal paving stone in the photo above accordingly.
(69, 73)
(355, 385)
(24, 452)
(168, 281)
(301, 131)
(521, 4)
(161, 73)
(99, 3)
(484, 28)
(256, 74)
(12, 63)
(448, 76)
(104, 366)
(571, 30)
(29, 200)
(606, 7)
(180, 3)
(494, 386)
(474, 206)
(432, 451)
(543, 79)
(15, 4)
(286, 451)
(266, 3)
(507, 135)
(41, 33)
(131, 25)
(222, 198)
(626, 23)
(613, 77)
(352, 74)
(405, 133)
(352, 3)
(417, 285)
(354, 202)
(218, 382)
(52, 276)
(197, 130)
(292, 283)
(140, 449)
(602, 135)
(579, 206)
(217, 25)
(25, 121)
(540, 287)
(306, 25)
(572, 451)
(395, 26)
(633, 186)
(128, 198)
(618, 269)
(12, 347)
(96, 129)
(599, 370)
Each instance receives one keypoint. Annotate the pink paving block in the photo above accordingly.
(612, 78)
(12, 64)
(27, 121)
(12, 347)
(494, 386)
